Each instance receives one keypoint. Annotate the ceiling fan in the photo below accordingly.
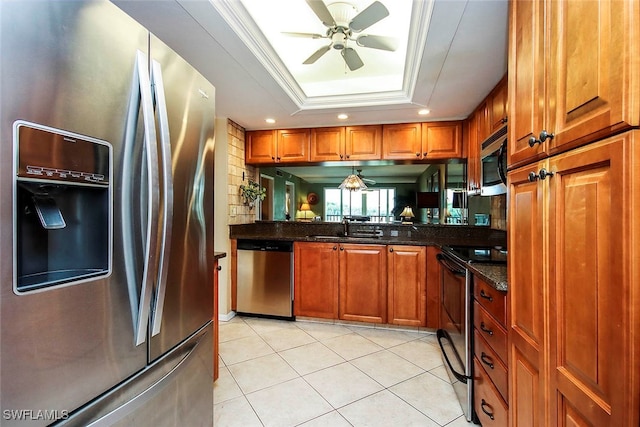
(343, 22)
(366, 180)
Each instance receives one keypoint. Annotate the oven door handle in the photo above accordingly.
(447, 264)
(441, 333)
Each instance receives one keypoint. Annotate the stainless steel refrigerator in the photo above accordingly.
(106, 222)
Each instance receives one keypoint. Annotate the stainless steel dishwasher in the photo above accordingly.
(265, 278)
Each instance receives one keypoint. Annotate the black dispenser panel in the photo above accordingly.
(62, 208)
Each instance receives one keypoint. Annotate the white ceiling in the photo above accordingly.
(456, 52)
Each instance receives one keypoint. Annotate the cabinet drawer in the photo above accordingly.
(493, 366)
(492, 300)
(491, 331)
(489, 406)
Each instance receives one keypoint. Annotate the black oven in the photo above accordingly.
(493, 165)
(456, 320)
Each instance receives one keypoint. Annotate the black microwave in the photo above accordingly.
(493, 165)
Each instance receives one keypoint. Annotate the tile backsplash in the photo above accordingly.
(499, 212)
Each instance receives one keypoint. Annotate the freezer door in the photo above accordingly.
(67, 65)
(186, 301)
(175, 391)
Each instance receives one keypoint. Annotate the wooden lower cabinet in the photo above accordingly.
(491, 372)
(407, 285)
(574, 303)
(316, 280)
(490, 408)
(363, 283)
(216, 324)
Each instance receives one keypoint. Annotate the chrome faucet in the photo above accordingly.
(345, 226)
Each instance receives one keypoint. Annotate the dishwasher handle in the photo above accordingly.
(265, 245)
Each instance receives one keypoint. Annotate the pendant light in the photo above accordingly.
(352, 182)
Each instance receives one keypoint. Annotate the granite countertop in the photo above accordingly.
(494, 274)
(418, 235)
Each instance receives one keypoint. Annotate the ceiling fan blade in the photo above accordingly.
(372, 14)
(304, 35)
(352, 58)
(317, 54)
(321, 11)
(377, 42)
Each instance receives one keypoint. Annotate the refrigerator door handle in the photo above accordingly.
(167, 188)
(141, 96)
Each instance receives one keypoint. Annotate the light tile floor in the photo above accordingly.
(316, 374)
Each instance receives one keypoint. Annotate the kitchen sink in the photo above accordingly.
(353, 236)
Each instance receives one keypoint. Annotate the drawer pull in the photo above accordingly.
(486, 296)
(486, 360)
(489, 414)
(485, 330)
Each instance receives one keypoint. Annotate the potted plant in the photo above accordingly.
(252, 192)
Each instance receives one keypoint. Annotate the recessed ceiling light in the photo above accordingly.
(270, 121)
(343, 116)
(424, 112)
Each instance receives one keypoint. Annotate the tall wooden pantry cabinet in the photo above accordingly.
(574, 200)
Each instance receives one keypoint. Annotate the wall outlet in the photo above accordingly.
(394, 233)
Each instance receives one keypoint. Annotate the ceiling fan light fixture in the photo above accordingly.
(339, 40)
(352, 183)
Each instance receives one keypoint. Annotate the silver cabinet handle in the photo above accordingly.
(167, 193)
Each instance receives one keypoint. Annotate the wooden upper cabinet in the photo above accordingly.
(293, 145)
(526, 80)
(346, 143)
(407, 285)
(483, 118)
(593, 70)
(586, 66)
(402, 141)
(260, 147)
(277, 146)
(442, 140)
(473, 154)
(363, 142)
(327, 144)
(498, 105)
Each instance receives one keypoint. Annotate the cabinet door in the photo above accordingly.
(591, 291)
(402, 141)
(260, 147)
(293, 145)
(484, 121)
(433, 288)
(316, 280)
(526, 81)
(526, 298)
(591, 71)
(407, 296)
(363, 142)
(442, 140)
(363, 283)
(327, 144)
(498, 106)
(473, 155)
(216, 332)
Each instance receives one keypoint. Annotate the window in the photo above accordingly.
(376, 203)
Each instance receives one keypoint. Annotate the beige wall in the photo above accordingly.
(228, 209)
